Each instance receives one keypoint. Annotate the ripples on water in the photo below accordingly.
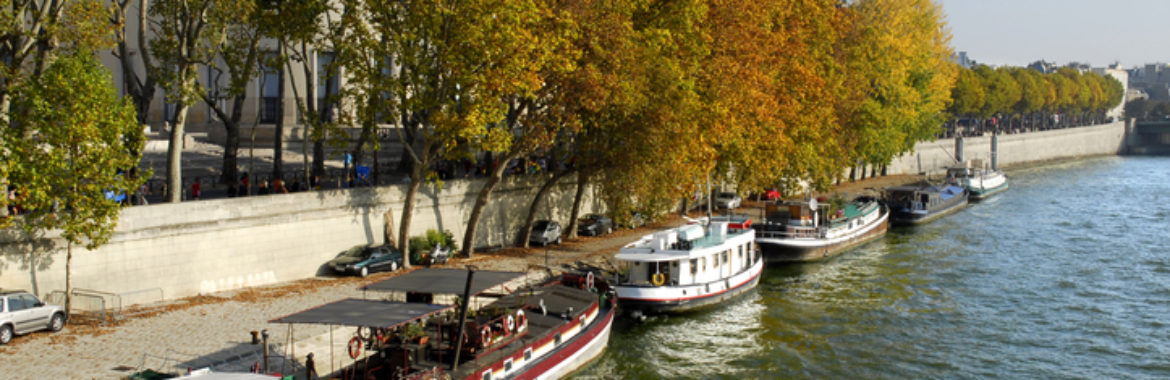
(1066, 275)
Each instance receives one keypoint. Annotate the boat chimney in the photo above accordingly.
(959, 148)
(994, 149)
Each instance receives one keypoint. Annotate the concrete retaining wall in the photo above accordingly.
(1106, 139)
(214, 245)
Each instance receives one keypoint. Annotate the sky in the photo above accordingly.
(1097, 32)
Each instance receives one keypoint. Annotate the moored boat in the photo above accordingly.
(919, 204)
(688, 267)
(811, 230)
(543, 331)
(980, 181)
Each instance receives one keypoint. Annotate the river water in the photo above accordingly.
(1065, 275)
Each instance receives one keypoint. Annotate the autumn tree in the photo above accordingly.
(648, 143)
(771, 90)
(187, 34)
(31, 32)
(237, 65)
(899, 56)
(530, 57)
(73, 141)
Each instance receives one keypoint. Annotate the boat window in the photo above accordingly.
(528, 353)
(740, 248)
(557, 339)
(487, 375)
(715, 260)
(725, 256)
(694, 266)
(704, 263)
(508, 365)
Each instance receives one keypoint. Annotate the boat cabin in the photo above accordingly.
(920, 198)
(688, 255)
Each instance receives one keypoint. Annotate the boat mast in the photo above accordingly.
(463, 315)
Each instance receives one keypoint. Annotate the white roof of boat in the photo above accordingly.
(207, 374)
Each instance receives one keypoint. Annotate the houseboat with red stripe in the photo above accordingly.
(688, 267)
(540, 331)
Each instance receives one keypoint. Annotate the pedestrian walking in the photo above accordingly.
(310, 367)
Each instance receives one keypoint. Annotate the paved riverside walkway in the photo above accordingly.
(213, 330)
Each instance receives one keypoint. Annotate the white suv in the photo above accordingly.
(22, 313)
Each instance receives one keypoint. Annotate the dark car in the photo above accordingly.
(363, 260)
(594, 224)
(545, 232)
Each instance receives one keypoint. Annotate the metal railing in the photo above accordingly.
(105, 306)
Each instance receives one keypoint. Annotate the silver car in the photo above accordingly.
(545, 232)
(22, 313)
(727, 200)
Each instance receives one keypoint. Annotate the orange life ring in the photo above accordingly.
(485, 335)
(589, 281)
(521, 321)
(354, 347)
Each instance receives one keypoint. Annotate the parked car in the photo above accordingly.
(594, 224)
(545, 232)
(727, 200)
(22, 313)
(363, 260)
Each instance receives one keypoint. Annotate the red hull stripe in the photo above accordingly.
(753, 277)
(558, 354)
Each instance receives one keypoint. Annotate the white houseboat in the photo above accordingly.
(688, 267)
(980, 180)
(811, 230)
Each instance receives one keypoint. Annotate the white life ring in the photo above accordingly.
(510, 324)
(521, 321)
(486, 336)
(589, 281)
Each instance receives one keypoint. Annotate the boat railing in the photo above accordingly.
(791, 232)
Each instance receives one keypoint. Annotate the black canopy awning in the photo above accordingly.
(358, 312)
(443, 281)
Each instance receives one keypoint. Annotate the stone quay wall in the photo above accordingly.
(1016, 149)
(172, 251)
(177, 250)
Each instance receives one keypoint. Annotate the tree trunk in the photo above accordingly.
(68, 277)
(582, 181)
(526, 229)
(174, 155)
(278, 132)
(485, 196)
(388, 228)
(408, 213)
(231, 146)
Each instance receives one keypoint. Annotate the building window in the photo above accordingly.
(327, 85)
(269, 91)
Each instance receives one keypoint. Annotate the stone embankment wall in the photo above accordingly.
(1015, 149)
(207, 246)
(214, 245)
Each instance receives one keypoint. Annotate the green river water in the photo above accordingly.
(1065, 275)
